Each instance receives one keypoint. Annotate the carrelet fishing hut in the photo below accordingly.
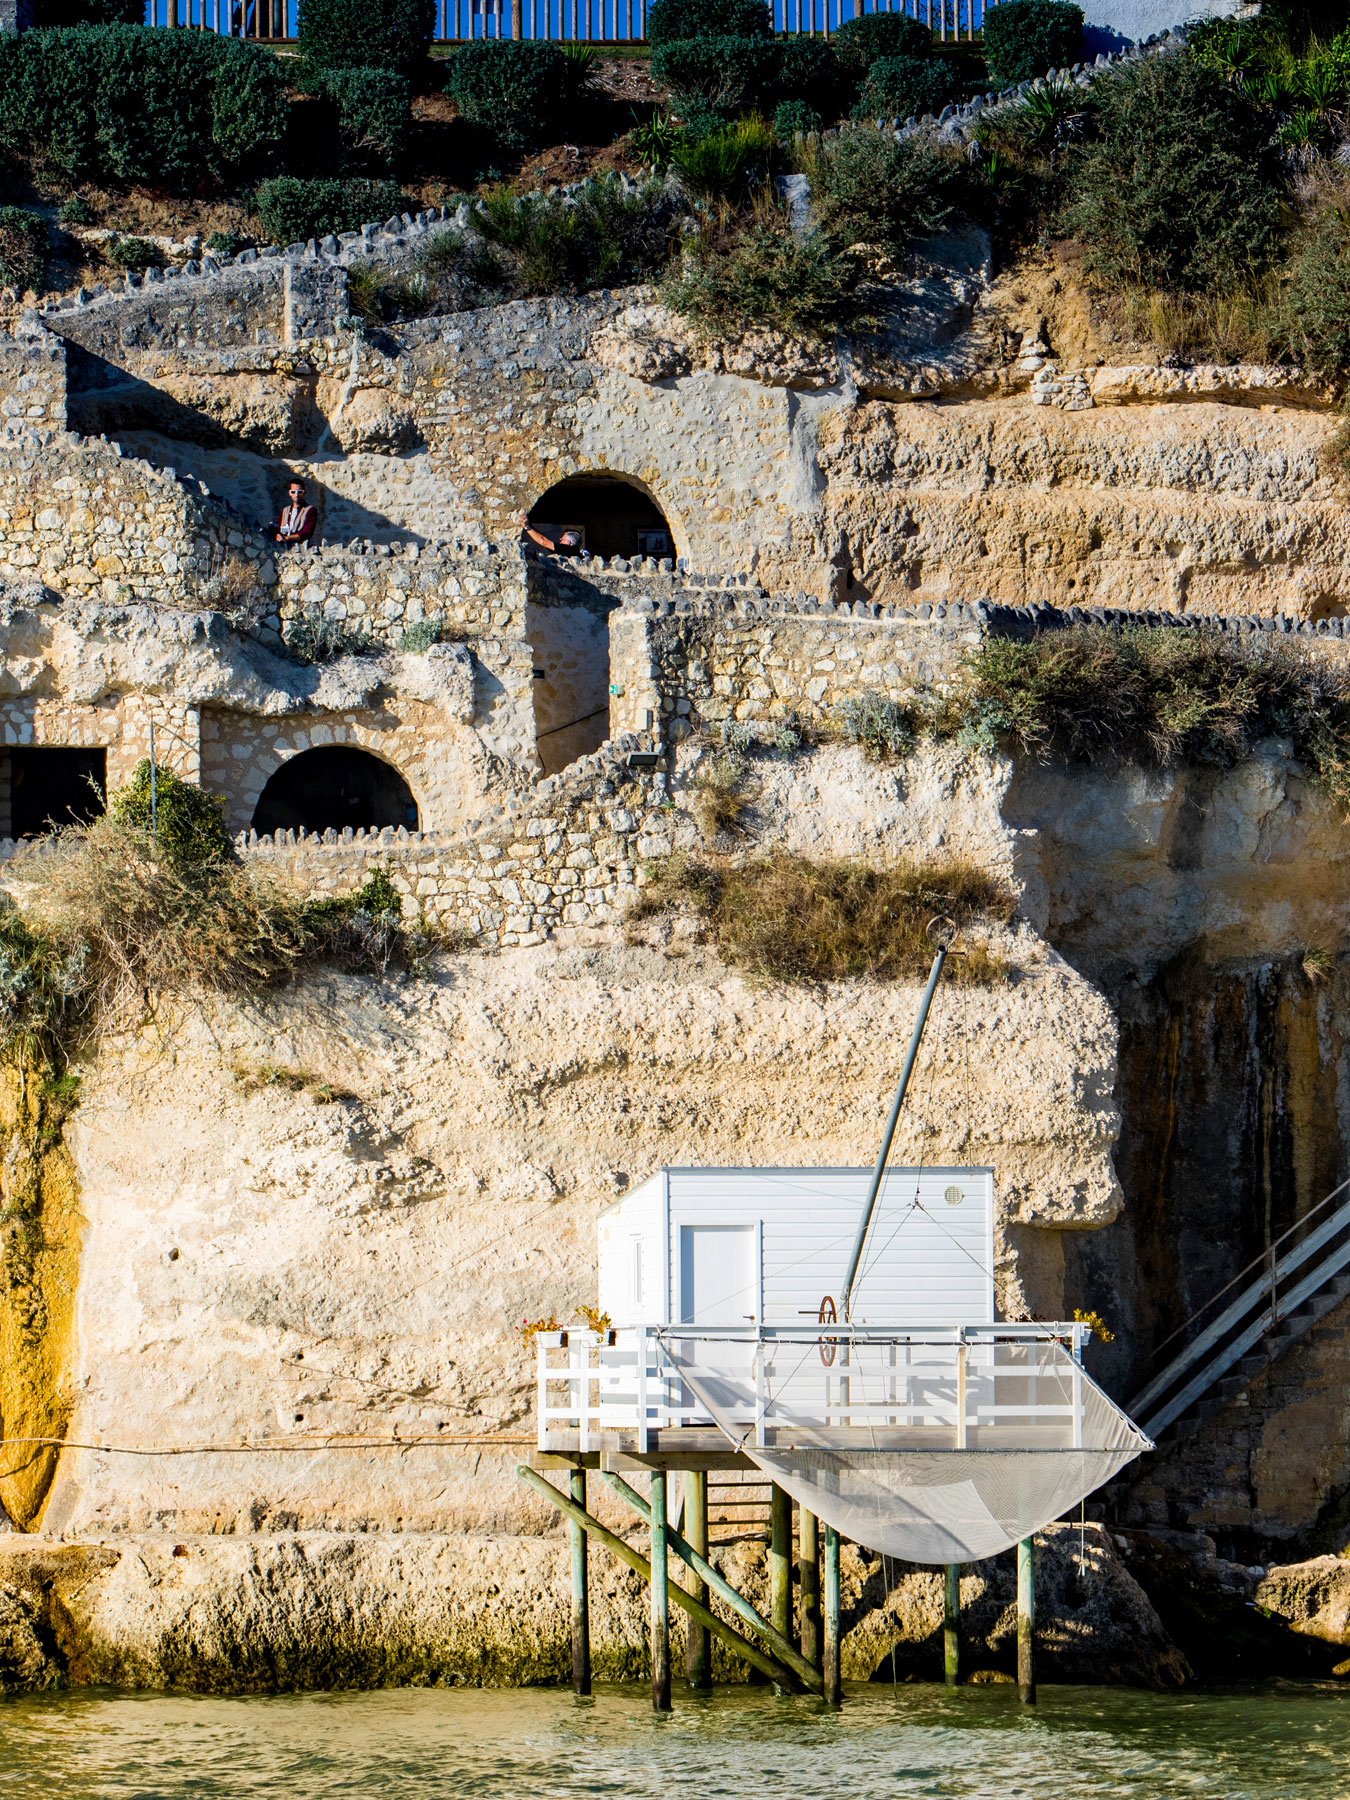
(835, 1329)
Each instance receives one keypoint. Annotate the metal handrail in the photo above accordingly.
(1266, 1256)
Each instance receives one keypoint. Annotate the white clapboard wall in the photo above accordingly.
(768, 1246)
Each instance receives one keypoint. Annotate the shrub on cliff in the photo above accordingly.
(669, 20)
(785, 918)
(126, 103)
(1164, 694)
(728, 74)
(764, 276)
(871, 37)
(599, 236)
(187, 823)
(727, 164)
(373, 109)
(1313, 314)
(897, 87)
(513, 92)
(1179, 189)
(872, 190)
(1024, 38)
(291, 211)
(23, 248)
(367, 34)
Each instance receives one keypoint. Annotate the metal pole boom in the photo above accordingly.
(865, 1223)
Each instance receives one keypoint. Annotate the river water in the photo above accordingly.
(1264, 1743)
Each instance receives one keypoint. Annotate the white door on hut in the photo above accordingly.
(719, 1274)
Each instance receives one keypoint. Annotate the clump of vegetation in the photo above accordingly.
(367, 34)
(729, 75)
(186, 823)
(901, 86)
(420, 638)
(134, 253)
(671, 20)
(602, 235)
(1160, 694)
(512, 91)
(869, 38)
(291, 211)
(794, 119)
(880, 725)
(373, 109)
(23, 248)
(722, 794)
(727, 164)
(875, 190)
(226, 243)
(314, 639)
(786, 918)
(131, 103)
(764, 275)
(1024, 38)
(76, 210)
(1179, 189)
(254, 1078)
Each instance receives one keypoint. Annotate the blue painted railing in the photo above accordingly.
(561, 21)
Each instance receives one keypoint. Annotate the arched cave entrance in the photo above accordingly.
(567, 619)
(333, 787)
(42, 789)
(615, 515)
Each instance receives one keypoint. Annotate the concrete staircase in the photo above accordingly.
(1252, 1322)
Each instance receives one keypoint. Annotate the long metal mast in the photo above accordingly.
(865, 1223)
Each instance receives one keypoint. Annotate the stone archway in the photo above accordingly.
(332, 787)
(616, 515)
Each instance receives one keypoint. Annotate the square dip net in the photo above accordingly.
(927, 1448)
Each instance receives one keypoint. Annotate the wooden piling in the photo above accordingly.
(581, 1598)
(834, 1686)
(780, 1560)
(809, 1567)
(698, 1644)
(951, 1625)
(660, 1597)
(1026, 1621)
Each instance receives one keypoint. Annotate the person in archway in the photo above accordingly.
(566, 542)
(297, 520)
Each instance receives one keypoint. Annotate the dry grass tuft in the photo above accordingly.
(722, 795)
(788, 919)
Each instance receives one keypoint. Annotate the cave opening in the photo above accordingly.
(43, 789)
(331, 788)
(614, 515)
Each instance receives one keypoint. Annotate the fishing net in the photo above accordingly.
(934, 1452)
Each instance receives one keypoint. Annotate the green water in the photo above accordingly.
(976, 1743)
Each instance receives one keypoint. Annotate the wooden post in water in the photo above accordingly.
(951, 1625)
(698, 1652)
(660, 1597)
(1026, 1621)
(810, 1588)
(834, 1686)
(780, 1560)
(581, 1597)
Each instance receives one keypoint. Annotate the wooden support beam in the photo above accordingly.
(698, 1652)
(660, 1596)
(780, 1561)
(581, 1597)
(834, 1686)
(810, 1587)
(742, 1647)
(1026, 1621)
(951, 1625)
(783, 1646)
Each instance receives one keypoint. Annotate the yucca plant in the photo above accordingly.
(727, 164)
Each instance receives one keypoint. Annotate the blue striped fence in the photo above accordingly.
(562, 21)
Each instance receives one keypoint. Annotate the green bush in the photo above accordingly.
(671, 20)
(730, 74)
(900, 86)
(367, 34)
(808, 70)
(226, 243)
(187, 823)
(1180, 188)
(1314, 321)
(1024, 38)
(860, 42)
(873, 190)
(515, 92)
(794, 118)
(766, 276)
(726, 164)
(127, 103)
(599, 236)
(374, 108)
(23, 249)
(134, 253)
(76, 210)
(292, 211)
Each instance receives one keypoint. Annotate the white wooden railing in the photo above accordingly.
(966, 1387)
